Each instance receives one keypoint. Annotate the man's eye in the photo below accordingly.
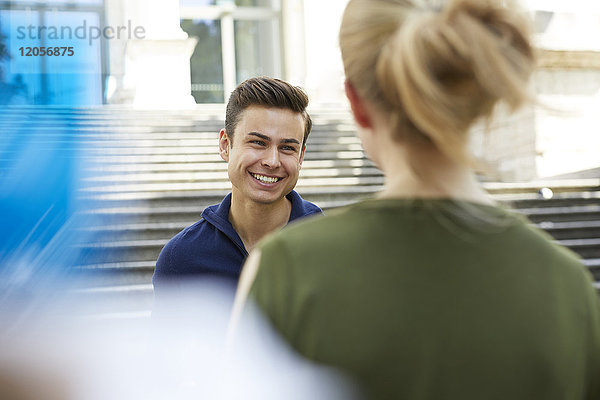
(258, 142)
(288, 148)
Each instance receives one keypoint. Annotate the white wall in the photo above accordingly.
(324, 70)
(568, 133)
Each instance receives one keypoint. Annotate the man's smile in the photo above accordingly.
(265, 179)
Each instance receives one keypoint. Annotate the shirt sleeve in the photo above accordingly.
(163, 264)
(273, 289)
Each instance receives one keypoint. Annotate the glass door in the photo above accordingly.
(206, 61)
(236, 40)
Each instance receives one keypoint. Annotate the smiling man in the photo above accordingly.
(264, 140)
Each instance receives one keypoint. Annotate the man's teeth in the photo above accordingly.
(265, 179)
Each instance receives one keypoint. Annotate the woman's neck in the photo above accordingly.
(430, 174)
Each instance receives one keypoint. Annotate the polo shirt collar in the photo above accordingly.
(218, 215)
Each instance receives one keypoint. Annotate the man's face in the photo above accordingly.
(265, 153)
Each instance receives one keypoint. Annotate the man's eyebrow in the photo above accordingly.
(289, 141)
(260, 135)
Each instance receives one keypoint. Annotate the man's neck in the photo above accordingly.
(252, 221)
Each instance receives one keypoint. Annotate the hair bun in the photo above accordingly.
(446, 69)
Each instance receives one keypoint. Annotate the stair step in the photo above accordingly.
(592, 262)
(145, 215)
(108, 278)
(114, 274)
(572, 230)
(560, 186)
(586, 248)
(132, 231)
(122, 251)
(593, 265)
(562, 214)
(119, 266)
(126, 244)
(561, 200)
(145, 289)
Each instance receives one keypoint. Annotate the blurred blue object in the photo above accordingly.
(41, 167)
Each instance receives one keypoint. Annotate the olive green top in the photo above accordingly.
(435, 299)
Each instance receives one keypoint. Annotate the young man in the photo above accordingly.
(264, 140)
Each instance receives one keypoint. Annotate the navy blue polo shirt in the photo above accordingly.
(211, 247)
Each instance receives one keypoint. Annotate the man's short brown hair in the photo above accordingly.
(267, 92)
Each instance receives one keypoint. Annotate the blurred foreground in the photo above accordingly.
(56, 354)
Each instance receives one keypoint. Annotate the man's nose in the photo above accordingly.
(271, 158)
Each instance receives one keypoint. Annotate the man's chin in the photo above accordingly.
(267, 201)
(267, 198)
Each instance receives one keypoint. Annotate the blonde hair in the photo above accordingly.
(437, 68)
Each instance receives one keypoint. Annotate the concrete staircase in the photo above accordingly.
(151, 173)
(571, 216)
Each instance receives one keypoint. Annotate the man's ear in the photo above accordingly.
(302, 154)
(224, 145)
(358, 106)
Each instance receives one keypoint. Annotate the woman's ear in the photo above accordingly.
(224, 145)
(359, 109)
